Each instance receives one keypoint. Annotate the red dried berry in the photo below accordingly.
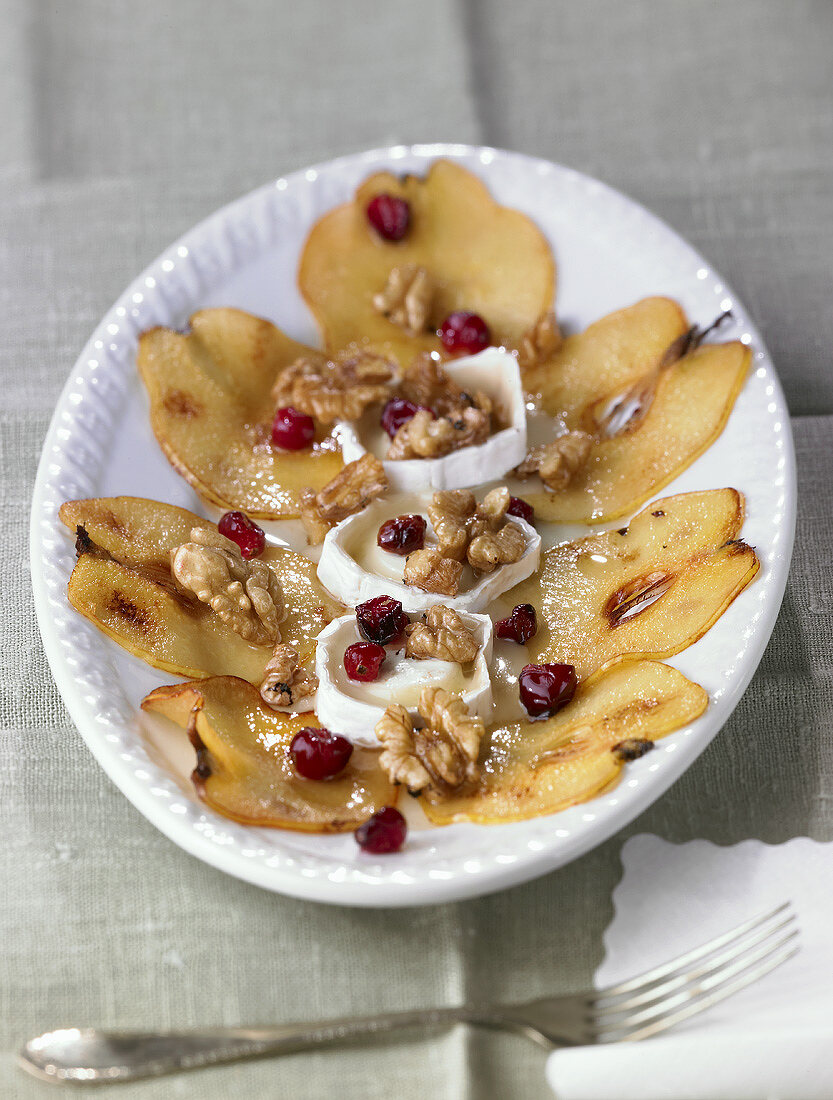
(250, 538)
(381, 620)
(521, 508)
(464, 332)
(383, 833)
(545, 689)
(319, 754)
(390, 216)
(402, 535)
(398, 411)
(362, 661)
(292, 430)
(520, 626)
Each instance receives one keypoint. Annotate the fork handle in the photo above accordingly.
(96, 1056)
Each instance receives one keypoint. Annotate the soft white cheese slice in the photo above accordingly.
(354, 568)
(495, 372)
(353, 708)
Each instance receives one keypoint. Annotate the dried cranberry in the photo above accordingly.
(464, 332)
(390, 216)
(398, 411)
(545, 689)
(521, 508)
(362, 661)
(292, 430)
(384, 832)
(520, 626)
(381, 619)
(249, 537)
(402, 535)
(319, 754)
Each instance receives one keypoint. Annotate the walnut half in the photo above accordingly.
(429, 571)
(496, 548)
(558, 462)
(539, 342)
(442, 635)
(333, 389)
(358, 484)
(406, 299)
(285, 682)
(442, 755)
(245, 594)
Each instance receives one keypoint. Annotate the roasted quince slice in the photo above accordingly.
(478, 255)
(244, 770)
(122, 582)
(647, 590)
(534, 768)
(650, 410)
(211, 410)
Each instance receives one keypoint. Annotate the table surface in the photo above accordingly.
(124, 124)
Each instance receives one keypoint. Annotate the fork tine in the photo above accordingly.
(659, 991)
(698, 987)
(701, 1004)
(697, 953)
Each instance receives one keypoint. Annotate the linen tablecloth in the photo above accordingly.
(121, 126)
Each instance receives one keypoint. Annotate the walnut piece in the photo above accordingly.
(442, 755)
(424, 382)
(460, 419)
(398, 759)
(491, 512)
(476, 533)
(442, 635)
(429, 571)
(245, 594)
(422, 436)
(334, 389)
(407, 298)
(558, 462)
(540, 342)
(284, 681)
(449, 512)
(354, 488)
(494, 548)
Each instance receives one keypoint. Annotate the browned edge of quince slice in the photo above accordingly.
(481, 256)
(244, 770)
(122, 582)
(690, 407)
(533, 768)
(211, 410)
(647, 590)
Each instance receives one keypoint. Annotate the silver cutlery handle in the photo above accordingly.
(97, 1056)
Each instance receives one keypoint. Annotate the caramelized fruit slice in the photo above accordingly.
(534, 768)
(244, 770)
(647, 590)
(211, 411)
(481, 256)
(691, 404)
(122, 583)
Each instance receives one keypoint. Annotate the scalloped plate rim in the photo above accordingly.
(395, 889)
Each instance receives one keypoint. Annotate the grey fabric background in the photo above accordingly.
(121, 125)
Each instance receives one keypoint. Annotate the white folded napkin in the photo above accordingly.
(774, 1039)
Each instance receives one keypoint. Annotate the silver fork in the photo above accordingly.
(635, 1009)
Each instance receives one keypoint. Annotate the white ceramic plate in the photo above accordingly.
(610, 252)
